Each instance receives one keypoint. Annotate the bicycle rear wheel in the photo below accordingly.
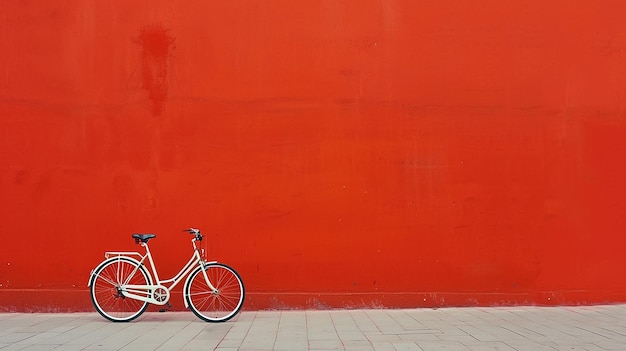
(106, 293)
(218, 306)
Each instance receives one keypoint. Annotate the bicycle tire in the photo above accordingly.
(217, 306)
(106, 296)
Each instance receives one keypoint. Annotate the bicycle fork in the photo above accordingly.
(203, 267)
(208, 282)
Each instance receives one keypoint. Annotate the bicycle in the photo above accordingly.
(122, 287)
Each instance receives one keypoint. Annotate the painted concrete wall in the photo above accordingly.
(337, 153)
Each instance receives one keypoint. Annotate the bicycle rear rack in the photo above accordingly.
(111, 254)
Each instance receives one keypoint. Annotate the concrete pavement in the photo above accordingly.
(590, 328)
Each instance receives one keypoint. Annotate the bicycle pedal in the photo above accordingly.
(169, 306)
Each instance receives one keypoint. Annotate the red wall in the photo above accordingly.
(337, 153)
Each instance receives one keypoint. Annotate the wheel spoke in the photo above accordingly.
(106, 294)
(215, 306)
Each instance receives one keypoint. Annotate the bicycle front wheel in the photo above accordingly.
(106, 289)
(215, 306)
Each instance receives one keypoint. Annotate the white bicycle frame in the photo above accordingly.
(157, 293)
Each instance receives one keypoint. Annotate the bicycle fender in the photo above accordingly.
(92, 275)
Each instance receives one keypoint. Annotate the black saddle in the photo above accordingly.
(143, 237)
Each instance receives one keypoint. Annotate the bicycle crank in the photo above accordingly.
(161, 295)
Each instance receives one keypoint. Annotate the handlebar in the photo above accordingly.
(195, 232)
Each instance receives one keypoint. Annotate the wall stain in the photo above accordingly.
(156, 46)
(20, 177)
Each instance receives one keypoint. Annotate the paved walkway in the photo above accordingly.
(503, 328)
